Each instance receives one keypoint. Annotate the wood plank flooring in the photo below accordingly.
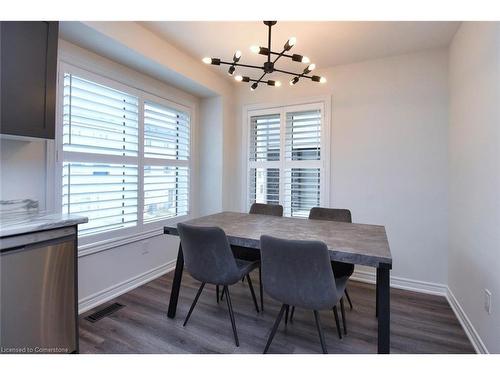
(420, 323)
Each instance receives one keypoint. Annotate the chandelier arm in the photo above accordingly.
(281, 54)
(243, 65)
(262, 76)
(294, 74)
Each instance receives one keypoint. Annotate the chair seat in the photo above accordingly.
(245, 266)
(341, 270)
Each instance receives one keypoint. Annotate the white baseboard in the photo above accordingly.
(464, 320)
(434, 289)
(403, 283)
(88, 303)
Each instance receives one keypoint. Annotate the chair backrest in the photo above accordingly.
(207, 254)
(298, 273)
(331, 214)
(267, 209)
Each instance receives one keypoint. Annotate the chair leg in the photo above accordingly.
(275, 328)
(253, 292)
(231, 315)
(222, 294)
(348, 298)
(194, 303)
(320, 331)
(217, 292)
(336, 314)
(286, 314)
(342, 311)
(261, 290)
(291, 313)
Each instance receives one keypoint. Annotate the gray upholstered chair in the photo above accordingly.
(298, 273)
(209, 259)
(266, 209)
(243, 253)
(340, 270)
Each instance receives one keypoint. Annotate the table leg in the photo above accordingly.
(377, 283)
(176, 285)
(383, 308)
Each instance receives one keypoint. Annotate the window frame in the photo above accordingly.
(142, 229)
(318, 103)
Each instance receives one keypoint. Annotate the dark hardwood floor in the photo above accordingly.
(420, 323)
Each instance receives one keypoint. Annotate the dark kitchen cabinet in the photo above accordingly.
(28, 68)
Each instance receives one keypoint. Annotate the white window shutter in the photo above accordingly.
(103, 161)
(285, 162)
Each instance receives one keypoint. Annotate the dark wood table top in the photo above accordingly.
(348, 242)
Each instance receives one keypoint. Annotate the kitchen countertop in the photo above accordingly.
(11, 225)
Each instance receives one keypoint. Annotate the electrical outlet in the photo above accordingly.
(487, 301)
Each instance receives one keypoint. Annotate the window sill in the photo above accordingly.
(110, 243)
(97, 247)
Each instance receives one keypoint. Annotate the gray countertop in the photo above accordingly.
(11, 225)
(352, 243)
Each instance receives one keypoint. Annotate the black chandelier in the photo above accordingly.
(269, 66)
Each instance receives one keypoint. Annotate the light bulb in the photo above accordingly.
(306, 60)
(277, 84)
(289, 43)
(322, 80)
(309, 68)
(255, 49)
(237, 56)
(207, 60)
(238, 78)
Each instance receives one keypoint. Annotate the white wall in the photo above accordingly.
(389, 160)
(22, 170)
(474, 143)
(211, 155)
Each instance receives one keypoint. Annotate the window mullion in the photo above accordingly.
(282, 157)
(140, 166)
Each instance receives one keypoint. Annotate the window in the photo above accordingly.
(125, 155)
(287, 158)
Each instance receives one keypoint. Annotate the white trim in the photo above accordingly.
(434, 289)
(97, 247)
(281, 108)
(403, 283)
(287, 103)
(103, 296)
(94, 243)
(466, 324)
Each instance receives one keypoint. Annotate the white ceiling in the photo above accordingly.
(325, 43)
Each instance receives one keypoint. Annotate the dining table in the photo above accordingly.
(359, 244)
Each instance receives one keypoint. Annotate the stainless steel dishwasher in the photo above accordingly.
(38, 312)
